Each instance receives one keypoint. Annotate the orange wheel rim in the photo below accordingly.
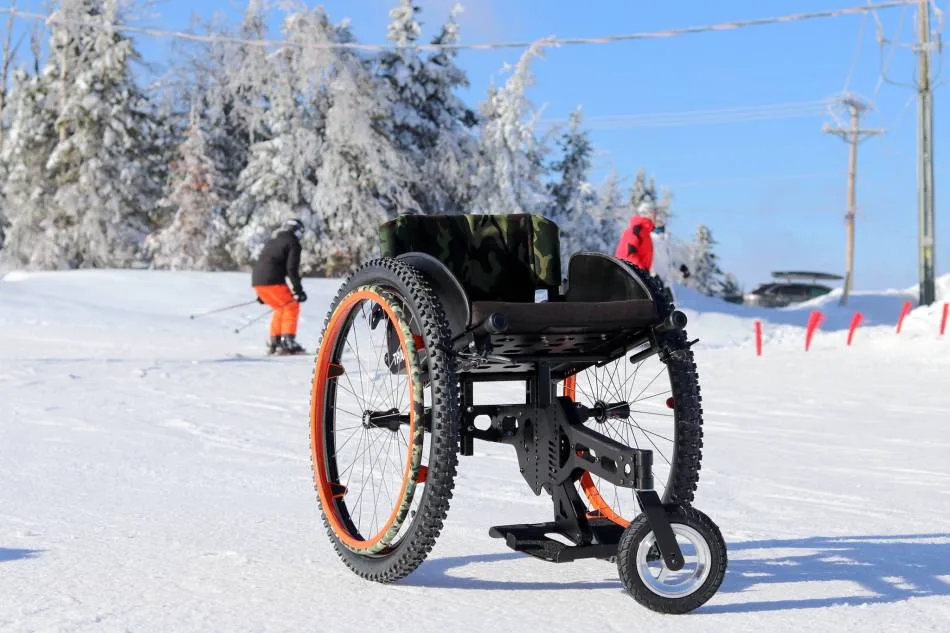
(325, 488)
(598, 504)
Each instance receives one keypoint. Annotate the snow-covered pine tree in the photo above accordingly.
(363, 179)
(610, 215)
(212, 78)
(245, 85)
(643, 196)
(7, 56)
(706, 277)
(454, 158)
(31, 238)
(279, 180)
(6, 63)
(197, 236)
(429, 124)
(572, 198)
(108, 165)
(663, 214)
(402, 71)
(33, 233)
(4, 223)
(730, 286)
(508, 179)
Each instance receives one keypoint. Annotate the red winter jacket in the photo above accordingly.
(635, 245)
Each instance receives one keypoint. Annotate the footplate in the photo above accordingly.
(533, 539)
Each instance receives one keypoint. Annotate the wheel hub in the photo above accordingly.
(615, 410)
(390, 419)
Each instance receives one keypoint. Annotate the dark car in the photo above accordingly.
(780, 294)
(776, 295)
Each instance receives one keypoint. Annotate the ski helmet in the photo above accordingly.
(295, 226)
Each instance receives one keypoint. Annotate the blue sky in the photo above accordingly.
(772, 191)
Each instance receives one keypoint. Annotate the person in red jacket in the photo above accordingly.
(636, 245)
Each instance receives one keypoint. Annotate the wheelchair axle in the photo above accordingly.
(602, 411)
(391, 419)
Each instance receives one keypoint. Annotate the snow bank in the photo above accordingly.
(725, 324)
(157, 303)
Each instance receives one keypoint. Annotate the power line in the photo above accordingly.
(550, 41)
(770, 178)
(883, 42)
(735, 114)
(857, 54)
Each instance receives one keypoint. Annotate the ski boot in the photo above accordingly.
(273, 345)
(290, 346)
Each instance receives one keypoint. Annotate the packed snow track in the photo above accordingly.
(154, 476)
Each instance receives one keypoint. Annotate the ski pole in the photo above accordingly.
(252, 321)
(237, 305)
(258, 318)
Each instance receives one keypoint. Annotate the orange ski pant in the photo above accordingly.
(286, 309)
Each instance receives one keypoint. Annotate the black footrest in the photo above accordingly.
(532, 539)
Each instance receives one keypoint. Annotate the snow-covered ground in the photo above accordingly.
(153, 480)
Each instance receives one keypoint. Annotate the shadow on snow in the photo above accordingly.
(7, 555)
(890, 568)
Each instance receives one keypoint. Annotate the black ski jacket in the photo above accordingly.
(279, 260)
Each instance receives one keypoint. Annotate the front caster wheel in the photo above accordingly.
(652, 584)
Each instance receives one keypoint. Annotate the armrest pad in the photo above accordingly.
(599, 277)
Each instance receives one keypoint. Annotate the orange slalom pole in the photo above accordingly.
(855, 322)
(814, 322)
(904, 312)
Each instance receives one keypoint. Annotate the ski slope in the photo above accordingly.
(154, 476)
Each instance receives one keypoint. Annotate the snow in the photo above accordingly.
(719, 323)
(153, 480)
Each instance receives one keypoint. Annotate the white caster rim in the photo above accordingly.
(664, 582)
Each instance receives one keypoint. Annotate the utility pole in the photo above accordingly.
(925, 156)
(853, 134)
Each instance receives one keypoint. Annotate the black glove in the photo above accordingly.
(300, 296)
(260, 301)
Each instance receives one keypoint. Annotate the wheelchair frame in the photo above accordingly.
(553, 447)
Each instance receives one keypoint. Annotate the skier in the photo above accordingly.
(280, 260)
(636, 245)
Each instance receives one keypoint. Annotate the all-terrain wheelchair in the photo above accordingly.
(452, 305)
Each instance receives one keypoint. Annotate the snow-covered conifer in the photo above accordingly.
(198, 233)
(610, 214)
(452, 160)
(249, 71)
(508, 179)
(705, 275)
(572, 198)
(279, 180)
(31, 239)
(108, 164)
(363, 178)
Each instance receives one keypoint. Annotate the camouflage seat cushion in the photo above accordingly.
(494, 257)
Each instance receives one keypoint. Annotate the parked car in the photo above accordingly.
(780, 294)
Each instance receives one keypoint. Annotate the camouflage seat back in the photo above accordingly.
(494, 257)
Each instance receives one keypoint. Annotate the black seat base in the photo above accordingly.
(565, 317)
